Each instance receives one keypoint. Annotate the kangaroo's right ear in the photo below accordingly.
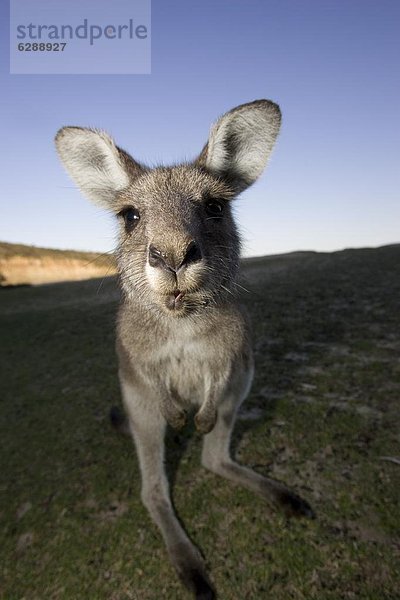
(98, 167)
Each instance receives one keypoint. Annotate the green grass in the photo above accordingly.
(326, 392)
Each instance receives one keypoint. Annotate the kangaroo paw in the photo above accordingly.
(205, 419)
(175, 416)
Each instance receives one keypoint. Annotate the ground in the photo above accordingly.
(322, 416)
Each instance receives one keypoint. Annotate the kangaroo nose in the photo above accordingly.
(157, 258)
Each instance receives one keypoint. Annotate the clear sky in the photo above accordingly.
(333, 66)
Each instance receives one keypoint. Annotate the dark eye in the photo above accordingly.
(131, 217)
(214, 208)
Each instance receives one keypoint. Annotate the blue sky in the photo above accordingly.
(333, 66)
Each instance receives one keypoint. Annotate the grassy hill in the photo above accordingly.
(323, 416)
(26, 265)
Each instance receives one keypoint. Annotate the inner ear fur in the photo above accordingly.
(99, 168)
(240, 143)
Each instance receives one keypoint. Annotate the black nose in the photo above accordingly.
(157, 258)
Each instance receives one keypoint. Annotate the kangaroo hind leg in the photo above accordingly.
(216, 457)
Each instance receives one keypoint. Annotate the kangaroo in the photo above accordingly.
(183, 339)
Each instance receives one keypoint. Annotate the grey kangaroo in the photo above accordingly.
(182, 338)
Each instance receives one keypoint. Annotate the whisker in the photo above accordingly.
(241, 287)
(226, 289)
(107, 253)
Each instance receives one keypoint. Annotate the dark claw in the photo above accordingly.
(118, 420)
(199, 584)
(294, 506)
(203, 591)
(201, 587)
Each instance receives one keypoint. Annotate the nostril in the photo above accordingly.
(160, 259)
(155, 257)
(154, 252)
(193, 254)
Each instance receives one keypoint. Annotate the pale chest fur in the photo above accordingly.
(188, 364)
(184, 359)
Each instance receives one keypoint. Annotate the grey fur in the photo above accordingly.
(177, 352)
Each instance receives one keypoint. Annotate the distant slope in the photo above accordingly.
(20, 264)
(30, 265)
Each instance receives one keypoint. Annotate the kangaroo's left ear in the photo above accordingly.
(241, 142)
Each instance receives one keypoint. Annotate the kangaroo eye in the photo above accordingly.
(214, 208)
(131, 217)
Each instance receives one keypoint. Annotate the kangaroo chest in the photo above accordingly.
(187, 366)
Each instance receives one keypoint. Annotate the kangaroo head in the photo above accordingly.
(178, 245)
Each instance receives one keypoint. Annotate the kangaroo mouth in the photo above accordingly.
(175, 300)
(182, 303)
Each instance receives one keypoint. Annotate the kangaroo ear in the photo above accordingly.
(98, 167)
(241, 141)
